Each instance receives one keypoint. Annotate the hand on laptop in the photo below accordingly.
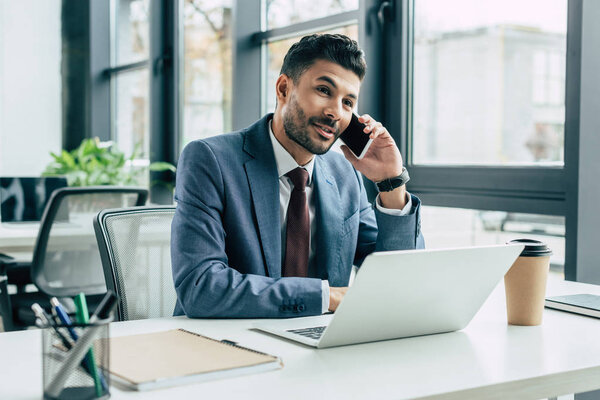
(336, 294)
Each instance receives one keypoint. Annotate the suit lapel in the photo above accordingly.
(329, 222)
(263, 180)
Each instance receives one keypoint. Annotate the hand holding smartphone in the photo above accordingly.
(355, 138)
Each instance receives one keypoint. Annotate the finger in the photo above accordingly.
(371, 127)
(365, 119)
(379, 131)
(349, 155)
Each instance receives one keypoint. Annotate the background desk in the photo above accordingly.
(489, 359)
(19, 240)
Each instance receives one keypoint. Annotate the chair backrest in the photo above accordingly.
(135, 247)
(66, 260)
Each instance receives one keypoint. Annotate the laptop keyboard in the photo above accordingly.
(313, 333)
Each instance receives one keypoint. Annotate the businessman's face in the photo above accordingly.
(318, 107)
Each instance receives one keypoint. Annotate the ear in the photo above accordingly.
(282, 88)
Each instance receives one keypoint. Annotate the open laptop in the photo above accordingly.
(400, 294)
(23, 199)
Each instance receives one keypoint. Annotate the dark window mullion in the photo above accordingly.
(314, 25)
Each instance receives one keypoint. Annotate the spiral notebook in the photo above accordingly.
(177, 357)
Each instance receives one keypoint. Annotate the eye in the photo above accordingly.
(349, 103)
(324, 90)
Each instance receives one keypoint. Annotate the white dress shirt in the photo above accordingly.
(285, 163)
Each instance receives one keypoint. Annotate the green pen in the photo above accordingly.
(83, 317)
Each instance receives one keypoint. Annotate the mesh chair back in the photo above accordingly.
(66, 260)
(135, 247)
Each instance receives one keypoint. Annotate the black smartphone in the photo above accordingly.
(355, 138)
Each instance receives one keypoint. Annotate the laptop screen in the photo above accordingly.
(24, 199)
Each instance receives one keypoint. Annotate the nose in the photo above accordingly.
(334, 110)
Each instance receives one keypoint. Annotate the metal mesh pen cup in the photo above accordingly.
(80, 372)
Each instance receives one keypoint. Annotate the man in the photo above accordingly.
(268, 222)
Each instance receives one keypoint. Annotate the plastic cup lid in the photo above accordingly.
(533, 248)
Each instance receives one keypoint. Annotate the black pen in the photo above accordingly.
(106, 305)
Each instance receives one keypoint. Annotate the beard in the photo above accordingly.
(296, 127)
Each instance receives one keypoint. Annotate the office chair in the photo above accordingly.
(66, 260)
(135, 248)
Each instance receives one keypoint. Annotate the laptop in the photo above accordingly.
(400, 294)
(23, 199)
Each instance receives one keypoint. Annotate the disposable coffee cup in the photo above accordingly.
(525, 283)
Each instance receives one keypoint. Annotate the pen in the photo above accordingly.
(63, 316)
(48, 322)
(74, 357)
(106, 305)
(83, 318)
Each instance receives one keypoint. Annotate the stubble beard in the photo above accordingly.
(296, 127)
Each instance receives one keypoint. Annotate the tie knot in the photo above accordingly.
(299, 177)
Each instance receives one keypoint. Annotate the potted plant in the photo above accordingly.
(96, 163)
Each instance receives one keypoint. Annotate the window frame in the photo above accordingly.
(531, 189)
(542, 190)
(163, 70)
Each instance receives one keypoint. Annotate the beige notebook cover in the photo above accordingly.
(178, 356)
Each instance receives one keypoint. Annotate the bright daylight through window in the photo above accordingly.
(489, 79)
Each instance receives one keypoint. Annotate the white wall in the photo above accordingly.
(30, 85)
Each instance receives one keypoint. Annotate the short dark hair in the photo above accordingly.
(339, 49)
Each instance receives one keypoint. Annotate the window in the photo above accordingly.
(132, 129)
(480, 96)
(130, 78)
(131, 42)
(487, 77)
(446, 227)
(287, 12)
(207, 75)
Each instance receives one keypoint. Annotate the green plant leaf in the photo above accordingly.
(159, 166)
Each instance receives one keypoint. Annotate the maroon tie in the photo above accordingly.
(298, 227)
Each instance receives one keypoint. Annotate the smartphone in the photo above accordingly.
(355, 138)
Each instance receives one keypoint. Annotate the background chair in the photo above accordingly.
(66, 260)
(135, 248)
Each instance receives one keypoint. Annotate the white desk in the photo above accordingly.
(17, 239)
(487, 360)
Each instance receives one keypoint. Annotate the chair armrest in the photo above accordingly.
(6, 262)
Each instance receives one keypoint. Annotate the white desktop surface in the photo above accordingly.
(16, 239)
(487, 360)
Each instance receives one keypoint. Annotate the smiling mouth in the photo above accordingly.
(325, 131)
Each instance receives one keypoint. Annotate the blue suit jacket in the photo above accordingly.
(226, 235)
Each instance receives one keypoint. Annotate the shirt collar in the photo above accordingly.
(284, 160)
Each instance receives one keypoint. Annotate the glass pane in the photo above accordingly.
(31, 84)
(132, 123)
(286, 12)
(489, 82)
(277, 50)
(207, 75)
(131, 31)
(459, 227)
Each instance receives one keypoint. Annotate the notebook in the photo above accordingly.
(177, 357)
(585, 304)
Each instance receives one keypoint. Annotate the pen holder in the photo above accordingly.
(82, 371)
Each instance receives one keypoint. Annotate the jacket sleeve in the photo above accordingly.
(206, 285)
(379, 231)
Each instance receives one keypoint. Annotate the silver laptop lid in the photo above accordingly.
(417, 292)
